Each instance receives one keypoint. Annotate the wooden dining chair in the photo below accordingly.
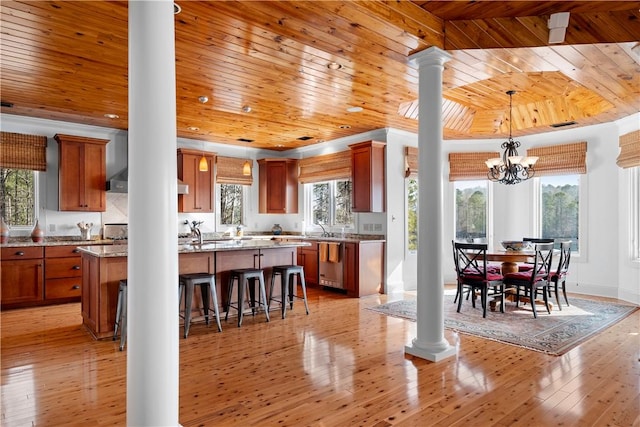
(560, 275)
(471, 269)
(535, 278)
(533, 240)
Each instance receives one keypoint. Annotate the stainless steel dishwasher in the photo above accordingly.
(330, 264)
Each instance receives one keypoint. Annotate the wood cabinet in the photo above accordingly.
(200, 198)
(367, 176)
(308, 259)
(363, 268)
(82, 173)
(22, 276)
(63, 273)
(278, 186)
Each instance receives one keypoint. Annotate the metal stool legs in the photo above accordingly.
(287, 274)
(243, 276)
(121, 314)
(207, 284)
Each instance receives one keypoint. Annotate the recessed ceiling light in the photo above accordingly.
(176, 9)
(246, 109)
(279, 145)
(334, 66)
(193, 128)
(203, 99)
(112, 116)
(345, 127)
(354, 109)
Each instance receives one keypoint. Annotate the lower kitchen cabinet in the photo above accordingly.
(363, 268)
(63, 273)
(308, 259)
(22, 277)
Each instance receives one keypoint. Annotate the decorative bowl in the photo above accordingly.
(514, 245)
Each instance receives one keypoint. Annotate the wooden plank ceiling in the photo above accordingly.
(67, 60)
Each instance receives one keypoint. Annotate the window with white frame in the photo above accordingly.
(560, 208)
(18, 197)
(634, 212)
(231, 203)
(471, 210)
(412, 213)
(329, 203)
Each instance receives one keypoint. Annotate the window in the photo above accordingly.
(412, 214)
(471, 210)
(18, 190)
(560, 207)
(329, 203)
(634, 212)
(231, 204)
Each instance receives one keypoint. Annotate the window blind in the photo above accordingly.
(229, 171)
(325, 168)
(629, 150)
(20, 151)
(562, 159)
(469, 166)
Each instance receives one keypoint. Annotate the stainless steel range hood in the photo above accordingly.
(119, 183)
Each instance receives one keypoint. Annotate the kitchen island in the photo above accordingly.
(104, 266)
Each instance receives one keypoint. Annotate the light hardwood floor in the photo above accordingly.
(341, 365)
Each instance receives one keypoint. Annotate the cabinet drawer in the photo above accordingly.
(61, 251)
(22, 253)
(62, 267)
(62, 288)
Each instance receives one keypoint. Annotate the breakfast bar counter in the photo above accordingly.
(104, 266)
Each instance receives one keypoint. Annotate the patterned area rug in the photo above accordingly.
(554, 333)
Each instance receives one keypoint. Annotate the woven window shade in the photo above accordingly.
(562, 159)
(325, 168)
(411, 162)
(19, 151)
(229, 171)
(629, 156)
(469, 166)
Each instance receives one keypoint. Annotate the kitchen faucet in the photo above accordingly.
(195, 229)
(324, 232)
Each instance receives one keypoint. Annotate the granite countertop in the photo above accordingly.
(116, 250)
(352, 238)
(53, 241)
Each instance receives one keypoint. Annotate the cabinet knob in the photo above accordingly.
(19, 253)
(75, 267)
(74, 287)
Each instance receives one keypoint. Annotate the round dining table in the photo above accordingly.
(510, 258)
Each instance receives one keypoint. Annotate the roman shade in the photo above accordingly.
(410, 162)
(229, 171)
(325, 168)
(629, 156)
(20, 151)
(469, 166)
(564, 159)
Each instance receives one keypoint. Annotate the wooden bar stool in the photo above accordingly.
(121, 314)
(287, 274)
(243, 276)
(207, 283)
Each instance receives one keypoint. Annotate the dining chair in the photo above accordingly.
(472, 272)
(532, 240)
(535, 278)
(560, 275)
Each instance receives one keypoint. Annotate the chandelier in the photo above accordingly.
(511, 168)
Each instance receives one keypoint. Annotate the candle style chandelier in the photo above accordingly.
(511, 168)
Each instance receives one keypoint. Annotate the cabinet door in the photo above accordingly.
(200, 197)
(81, 173)
(278, 186)
(22, 281)
(309, 260)
(350, 268)
(367, 177)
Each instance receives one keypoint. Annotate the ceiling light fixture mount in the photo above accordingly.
(511, 168)
(334, 66)
(203, 99)
(246, 109)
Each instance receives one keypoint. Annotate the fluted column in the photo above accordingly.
(430, 343)
(152, 341)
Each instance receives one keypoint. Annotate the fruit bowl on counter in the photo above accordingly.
(515, 245)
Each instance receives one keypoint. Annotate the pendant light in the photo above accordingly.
(203, 166)
(246, 168)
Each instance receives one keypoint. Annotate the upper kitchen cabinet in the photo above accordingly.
(278, 188)
(200, 196)
(82, 173)
(367, 176)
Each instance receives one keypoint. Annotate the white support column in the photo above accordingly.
(152, 341)
(430, 343)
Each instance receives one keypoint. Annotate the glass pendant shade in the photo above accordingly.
(246, 168)
(203, 166)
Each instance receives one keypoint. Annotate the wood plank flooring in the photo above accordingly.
(341, 365)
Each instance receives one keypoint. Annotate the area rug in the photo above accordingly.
(554, 333)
